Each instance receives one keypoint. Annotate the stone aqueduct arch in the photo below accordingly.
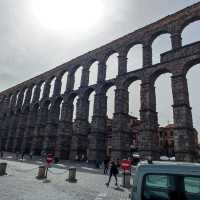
(29, 124)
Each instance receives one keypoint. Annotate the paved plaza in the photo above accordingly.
(21, 184)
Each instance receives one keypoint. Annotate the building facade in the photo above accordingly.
(166, 139)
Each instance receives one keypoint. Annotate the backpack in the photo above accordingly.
(115, 170)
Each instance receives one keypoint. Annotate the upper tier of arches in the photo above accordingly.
(95, 65)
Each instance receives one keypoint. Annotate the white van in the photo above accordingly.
(166, 181)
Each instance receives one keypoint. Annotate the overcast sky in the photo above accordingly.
(29, 47)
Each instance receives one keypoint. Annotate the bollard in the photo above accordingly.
(126, 176)
(41, 172)
(3, 169)
(72, 175)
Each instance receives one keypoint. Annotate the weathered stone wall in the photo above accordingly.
(30, 123)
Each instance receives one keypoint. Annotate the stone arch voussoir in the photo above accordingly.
(155, 74)
(184, 23)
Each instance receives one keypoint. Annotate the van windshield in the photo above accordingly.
(170, 187)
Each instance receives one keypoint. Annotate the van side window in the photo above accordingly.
(156, 187)
(192, 187)
(159, 181)
(170, 187)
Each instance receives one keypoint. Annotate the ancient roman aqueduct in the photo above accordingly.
(28, 123)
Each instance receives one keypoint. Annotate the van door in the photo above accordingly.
(192, 187)
(156, 187)
(170, 187)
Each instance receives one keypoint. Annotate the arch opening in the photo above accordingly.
(60, 111)
(135, 58)
(93, 73)
(112, 66)
(10, 100)
(164, 102)
(17, 98)
(64, 82)
(24, 96)
(193, 79)
(56, 110)
(134, 99)
(161, 44)
(75, 108)
(33, 92)
(190, 33)
(110, 101)
(52, 85)
(49, 106)
(91, 106)
(77, 77)
(41, 90)
(134, 123)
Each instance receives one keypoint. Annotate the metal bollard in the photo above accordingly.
(126, 176)
(3, 169)
(72, 175)
(41, 172)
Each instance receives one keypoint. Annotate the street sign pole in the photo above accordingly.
(124, 176)
(46, 172)
(125, 165)
(49, 160)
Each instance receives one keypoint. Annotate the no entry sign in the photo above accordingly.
(49, 159)
(125, 164)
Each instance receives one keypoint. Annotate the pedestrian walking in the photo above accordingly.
(17, 155)
(1, 154)
(22, 156)
(76, 157)
(82, 157)
(113, 172)
(31, 155)
(43, 155)
(56, 159)
(106, 165)
(98, 164)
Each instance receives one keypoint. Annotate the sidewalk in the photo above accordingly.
(62, 164)
(21, 184)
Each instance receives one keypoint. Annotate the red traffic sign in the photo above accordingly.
(49, 158)
(125, 164)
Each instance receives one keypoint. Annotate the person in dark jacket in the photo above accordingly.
(22, 156)
(31, 155)
(106, 165)
(118, 163)
(1, 154)
(113, 172)
(17, 155)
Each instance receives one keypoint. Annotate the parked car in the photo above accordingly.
(166, 181)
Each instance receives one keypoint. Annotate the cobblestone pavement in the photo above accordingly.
(21, 184)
